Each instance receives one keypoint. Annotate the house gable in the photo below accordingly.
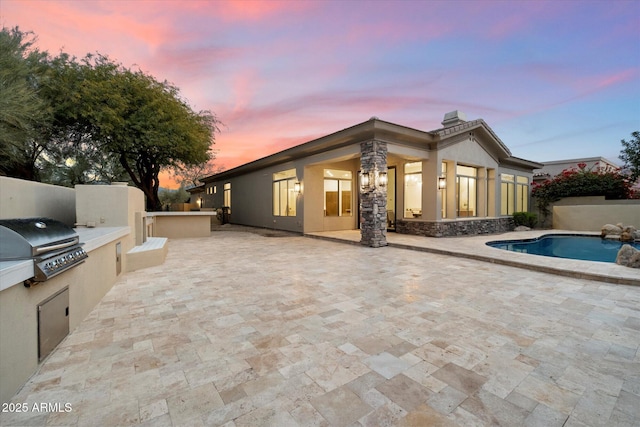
(477, 131)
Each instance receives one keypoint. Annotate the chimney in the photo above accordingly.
(454, 118)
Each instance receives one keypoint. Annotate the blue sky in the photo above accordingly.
(555, 80)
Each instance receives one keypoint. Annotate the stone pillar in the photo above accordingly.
(373, 199)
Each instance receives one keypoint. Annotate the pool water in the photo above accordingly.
(589, 248)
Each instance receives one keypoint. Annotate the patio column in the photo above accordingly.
(373, 194)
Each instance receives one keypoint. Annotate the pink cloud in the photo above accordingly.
(615, 78)
(247, 10)
(77, 29)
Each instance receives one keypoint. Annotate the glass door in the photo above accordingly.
(391, 198)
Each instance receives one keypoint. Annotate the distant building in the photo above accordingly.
(553, 168)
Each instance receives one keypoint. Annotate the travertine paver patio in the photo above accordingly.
(245, 330)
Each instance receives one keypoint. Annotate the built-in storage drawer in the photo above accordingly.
(53, 322)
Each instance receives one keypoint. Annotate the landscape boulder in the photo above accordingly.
(610, 230)
(522, 228)
(627, 236)
(628, 256)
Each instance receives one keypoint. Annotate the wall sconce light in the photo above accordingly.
(442, 183)
(373, 179)
(382, 179)
(296, 187)
(365, 180)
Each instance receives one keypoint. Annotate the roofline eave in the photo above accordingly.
(371, 129)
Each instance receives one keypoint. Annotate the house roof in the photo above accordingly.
(581, 160)
(195, 189)
(372, 128)
(382, 130)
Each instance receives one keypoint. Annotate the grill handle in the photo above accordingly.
(42, 249)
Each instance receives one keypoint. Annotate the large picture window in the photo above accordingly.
(507, 194)
(284, 195)
(522, 194)
(413, 190)
(338, 192)
(467, 192)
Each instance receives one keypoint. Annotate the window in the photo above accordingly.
(413, 190)
(507, 189)
(522, 194)
(227, 196)
(443, 192)
(466, 190)
(284, 195)
(337, 192)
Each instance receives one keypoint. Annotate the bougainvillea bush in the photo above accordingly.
(577, 182)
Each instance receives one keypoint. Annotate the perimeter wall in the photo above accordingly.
(591, 213)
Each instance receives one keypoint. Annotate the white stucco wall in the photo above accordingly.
(28, 199)
(591, 213)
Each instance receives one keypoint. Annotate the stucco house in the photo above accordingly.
(379, 176)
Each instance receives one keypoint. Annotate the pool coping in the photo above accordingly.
(474, 247)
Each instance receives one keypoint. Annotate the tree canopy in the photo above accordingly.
(630, 155)
(141, 122)
(74, 121)
(23, 112)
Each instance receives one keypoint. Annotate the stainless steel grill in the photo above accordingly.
(53, 246)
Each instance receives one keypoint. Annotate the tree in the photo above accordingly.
(630, 155)
(72, 156)
(167, 197)
(23, 112)
(190, 176)
(143, 124)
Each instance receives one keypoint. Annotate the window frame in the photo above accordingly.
(340, 181)
(469, 178)
(285, 182)
(226, 196)
(407, 175)
(522, 193)
(507, 193)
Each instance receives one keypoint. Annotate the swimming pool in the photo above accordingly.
(573, 246)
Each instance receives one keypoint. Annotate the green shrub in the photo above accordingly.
(527, 219)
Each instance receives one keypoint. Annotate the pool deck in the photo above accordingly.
(242, 330)
(475, 247)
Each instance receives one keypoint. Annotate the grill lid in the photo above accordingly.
(25, 238)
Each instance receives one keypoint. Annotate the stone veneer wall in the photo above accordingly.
(455, 228)
(373, 200)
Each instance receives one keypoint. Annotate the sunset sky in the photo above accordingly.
(555, 80)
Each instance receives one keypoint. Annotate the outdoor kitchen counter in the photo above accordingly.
(16, 272)
(177, 225)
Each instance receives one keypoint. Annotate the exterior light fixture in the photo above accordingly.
(296, 187)
(365, 180)
(382, 179)
(373, 179)
(442, 183)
